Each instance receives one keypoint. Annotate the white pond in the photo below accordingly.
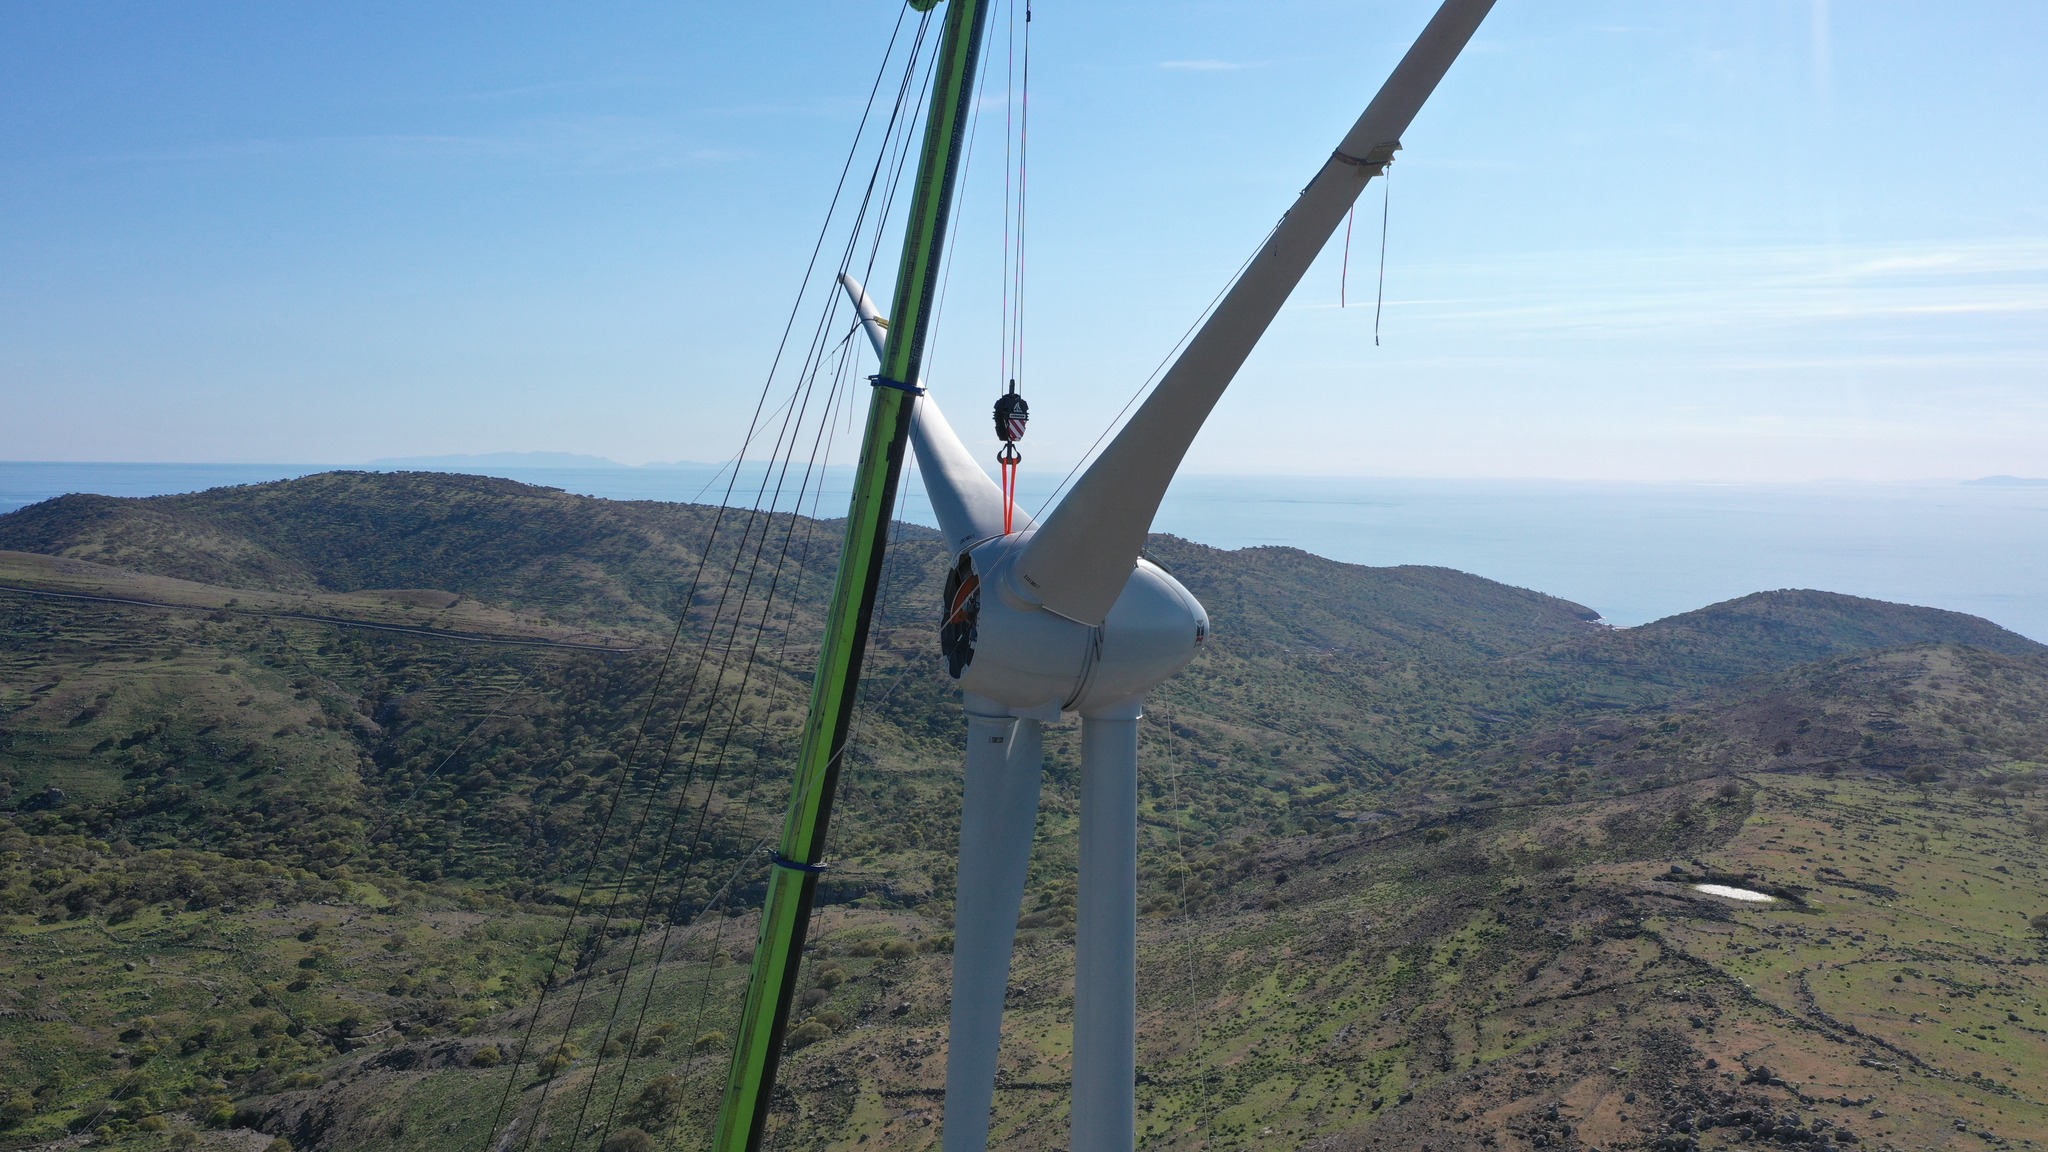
(1734, 893)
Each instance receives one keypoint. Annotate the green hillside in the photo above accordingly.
(298, 781)
(1765, 632)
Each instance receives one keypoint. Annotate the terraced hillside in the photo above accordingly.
(301, 780)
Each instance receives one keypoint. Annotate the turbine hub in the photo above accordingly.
(1036, 662)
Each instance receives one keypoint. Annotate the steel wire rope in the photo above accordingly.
(682, 715)
(853, 241)
(765, 515)
(758, 513)
(735, 717)
(944, 290)
(838, 399)
(937, 329)
(1023, 188)
(1164, 361)
(703, 559)
(807, 382)
(1386, 208)
(673, 919)
(597, 851)
(734, 720)
(754, 514)
(866, 703)
(718, 932)
(864, 706)
(1009, 138)
(889, 191)
(736, 458)
(874, 254)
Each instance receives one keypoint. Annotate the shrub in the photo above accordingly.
(560, 1058)
(628, 1140)
(808, 1033)
(657, 1103)
(488, 1056)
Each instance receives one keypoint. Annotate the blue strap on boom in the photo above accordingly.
(884, 382)
(781, 861)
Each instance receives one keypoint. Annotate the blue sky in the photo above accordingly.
(1725, 241)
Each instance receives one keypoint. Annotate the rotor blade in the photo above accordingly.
(1078, 562)
(996, 822)
(968, 504)
(871, 321)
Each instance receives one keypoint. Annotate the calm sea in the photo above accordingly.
(1634, 552)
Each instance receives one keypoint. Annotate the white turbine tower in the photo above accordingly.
(1066, 616)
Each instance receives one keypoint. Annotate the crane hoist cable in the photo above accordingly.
(1011, 412)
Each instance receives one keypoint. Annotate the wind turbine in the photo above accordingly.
(1066, 616)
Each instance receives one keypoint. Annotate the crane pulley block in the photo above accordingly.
(1012, 413)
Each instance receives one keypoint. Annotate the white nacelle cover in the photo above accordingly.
(1037, 661)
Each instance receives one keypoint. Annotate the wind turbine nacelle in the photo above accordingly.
(1036, 662)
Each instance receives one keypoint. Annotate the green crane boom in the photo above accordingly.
(793, 880)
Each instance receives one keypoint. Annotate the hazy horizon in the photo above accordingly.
(542, 460)
(1633, 550)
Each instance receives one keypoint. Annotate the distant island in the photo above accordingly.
(484, 462)
(2009, 482)
(463, 462)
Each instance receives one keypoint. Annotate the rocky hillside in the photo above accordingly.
(299, 781)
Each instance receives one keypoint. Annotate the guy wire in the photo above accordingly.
(737, 696)
(838, 398)
(736, 715)
(688, 600)
(1164, 361)
(738, 699)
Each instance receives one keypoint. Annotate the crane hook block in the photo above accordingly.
(1012, 413)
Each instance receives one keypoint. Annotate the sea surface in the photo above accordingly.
(1633, 552)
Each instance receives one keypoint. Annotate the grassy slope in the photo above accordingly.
(1336, 703)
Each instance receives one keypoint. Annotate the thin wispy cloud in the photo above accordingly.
(1660, 294)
